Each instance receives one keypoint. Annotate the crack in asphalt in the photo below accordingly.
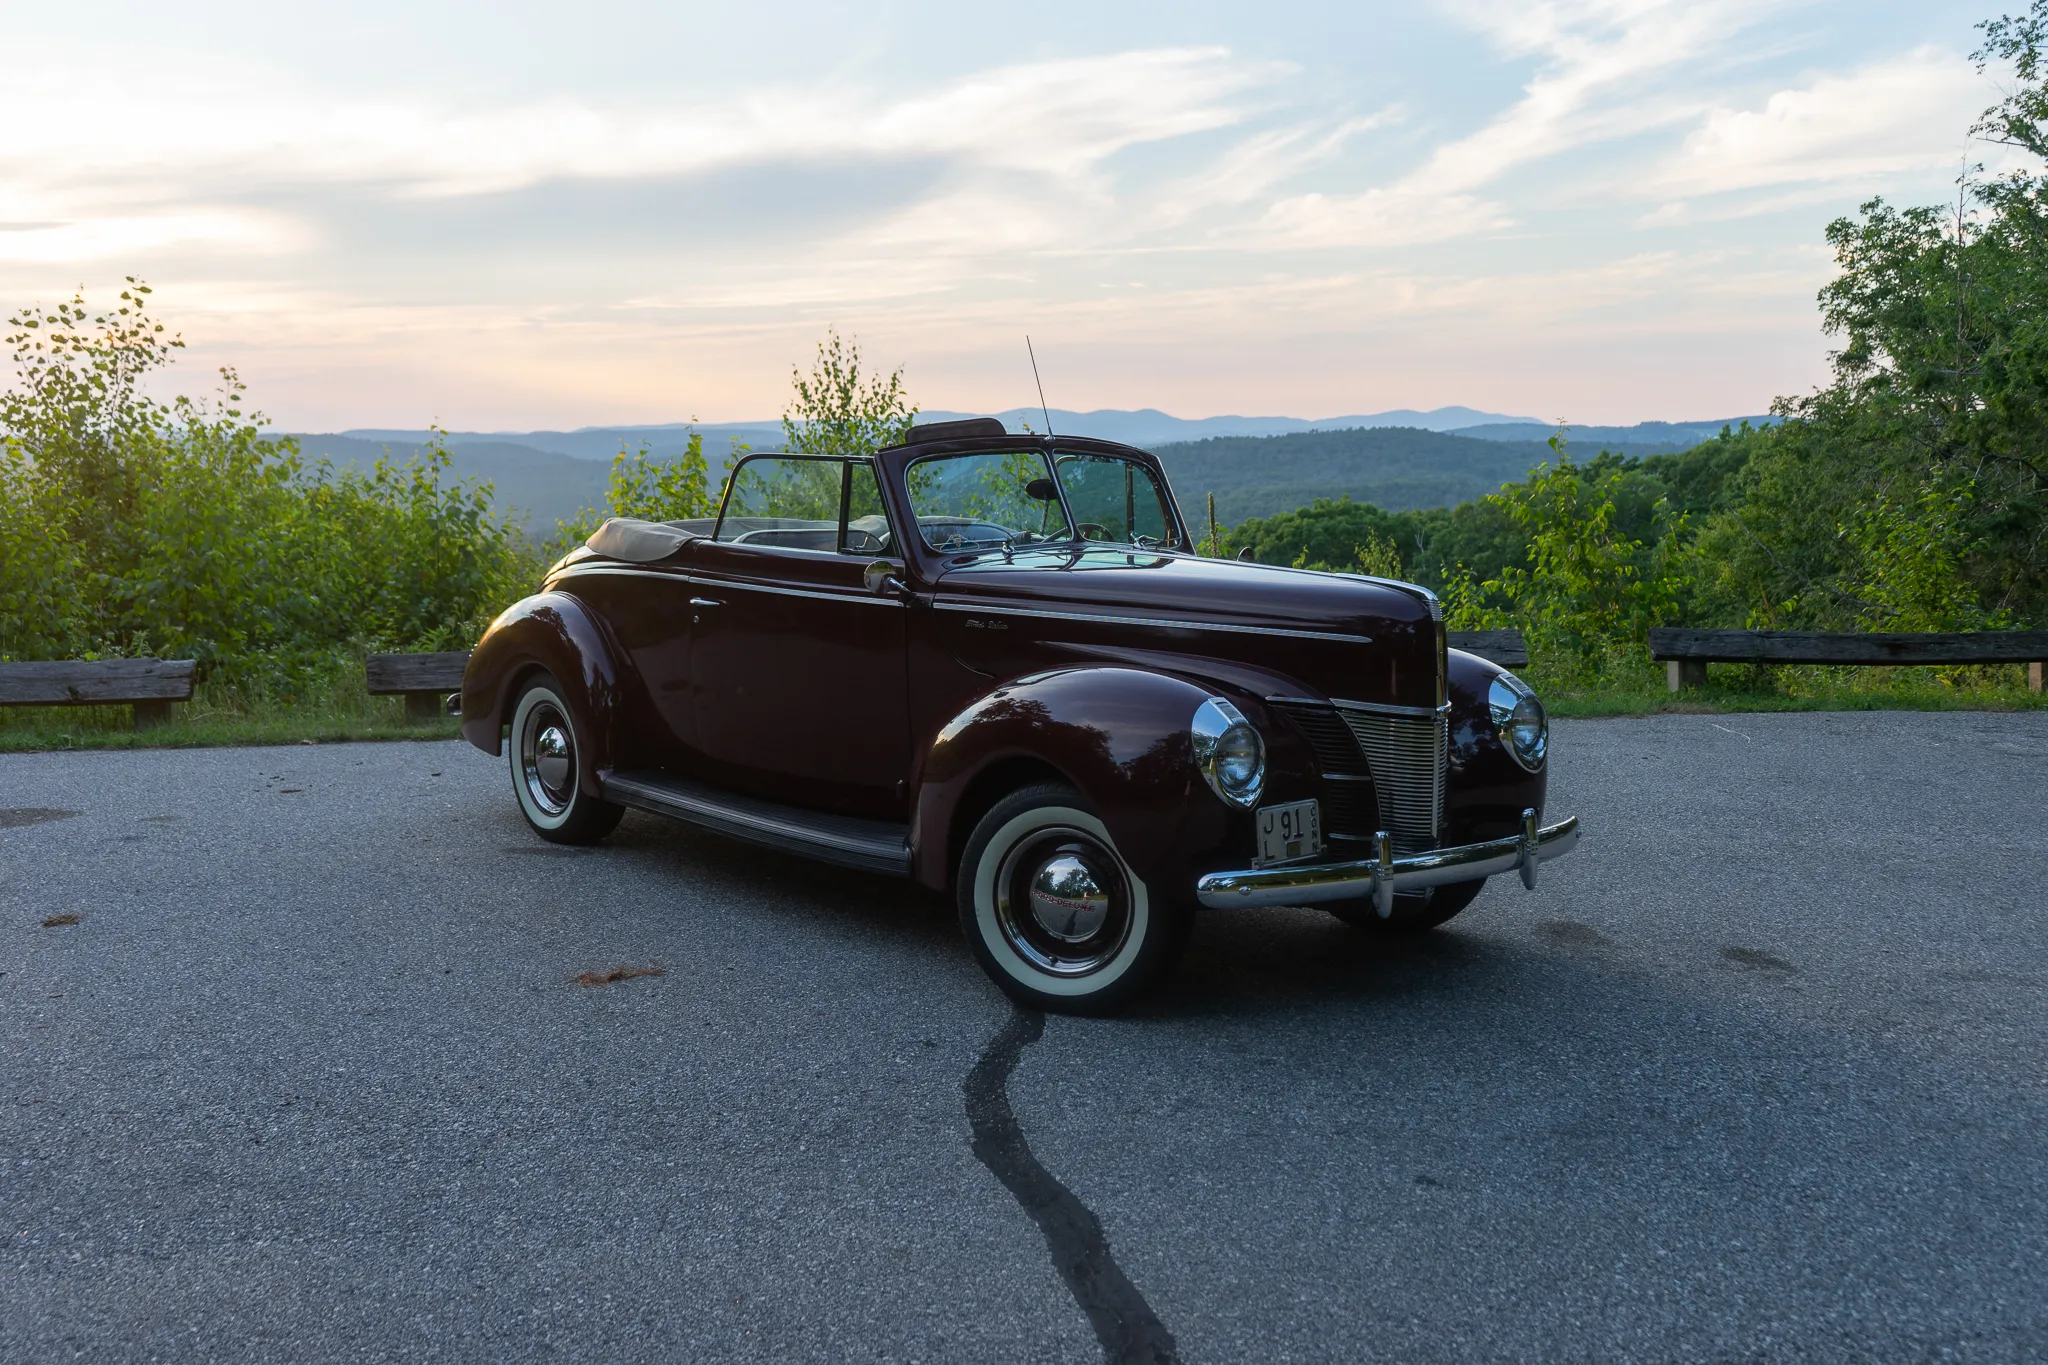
(1124, 1323)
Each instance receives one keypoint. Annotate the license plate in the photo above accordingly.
(1289, 832)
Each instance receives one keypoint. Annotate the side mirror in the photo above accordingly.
(1042, 490)
(880, 577)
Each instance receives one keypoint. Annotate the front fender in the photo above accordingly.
(556, 632)
(1120, 735)
(1488, 790)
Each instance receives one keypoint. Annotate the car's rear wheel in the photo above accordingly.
(1054, 914)
(1414, 914)
(547, 769)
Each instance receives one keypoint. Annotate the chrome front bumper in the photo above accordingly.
(1382, 876)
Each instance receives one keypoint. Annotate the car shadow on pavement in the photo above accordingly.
(1240, 961)
(815, 893)
(1236, 962)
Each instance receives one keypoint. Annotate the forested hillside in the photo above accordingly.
(1393, 467)
(534, 489)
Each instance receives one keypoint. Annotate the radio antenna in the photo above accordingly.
(1042, 408)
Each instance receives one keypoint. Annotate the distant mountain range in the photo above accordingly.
(1395, 467)
(1148, 427)
(1644, 438)
(1145, 427)
(1255, 465)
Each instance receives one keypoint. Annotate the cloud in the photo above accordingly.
(562, 245)
(1905, 116)
(128, 165)
(1054, 117)
(1596, 83)
(125, 236)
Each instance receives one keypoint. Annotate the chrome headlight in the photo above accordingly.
(1229, 752)
(1519, 718)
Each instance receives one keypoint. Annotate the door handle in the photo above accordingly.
(705, 602)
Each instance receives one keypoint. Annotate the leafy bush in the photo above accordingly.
(135, 527)
(650, 490)
(1591, 589)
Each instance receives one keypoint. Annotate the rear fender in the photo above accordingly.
(556, 632)
(1120, 735)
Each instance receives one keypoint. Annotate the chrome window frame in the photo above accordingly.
(846, 463)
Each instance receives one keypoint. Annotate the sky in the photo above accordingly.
(513, 215)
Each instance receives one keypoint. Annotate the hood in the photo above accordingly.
(1337, 635)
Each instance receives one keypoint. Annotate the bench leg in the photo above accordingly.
(1685, 673)
(424, 706)
(148, 713)
(2034, 671)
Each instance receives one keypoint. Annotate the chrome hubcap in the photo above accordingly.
(551, 760)
(547, 758)
(1062, 902)
(1066, 902)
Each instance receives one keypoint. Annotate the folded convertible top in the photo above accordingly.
(639, 542)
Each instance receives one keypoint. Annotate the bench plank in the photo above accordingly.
(395, 673)
(95, 682)
(1504, 647)
(1670, 643)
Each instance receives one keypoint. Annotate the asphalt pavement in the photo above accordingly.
(1756, 1074)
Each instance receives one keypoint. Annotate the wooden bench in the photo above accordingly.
(1685, 653)
(147, 685)
(424, 680)
(1504, 647)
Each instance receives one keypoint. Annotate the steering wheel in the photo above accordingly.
(859, 542)
(1092, 530)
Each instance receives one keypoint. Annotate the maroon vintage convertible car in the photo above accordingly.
(992, 663)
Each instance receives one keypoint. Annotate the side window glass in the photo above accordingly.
(984, 501)
(867, 525)
(782, 502)
(1115, 500)
(786, 504)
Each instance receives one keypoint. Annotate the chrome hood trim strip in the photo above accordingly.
(1164, 623)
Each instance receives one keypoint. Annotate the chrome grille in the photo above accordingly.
(1406, 753)
(1347, 782)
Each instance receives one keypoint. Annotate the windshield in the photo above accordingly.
(997, 500)
(1116, 500)
(985, 501)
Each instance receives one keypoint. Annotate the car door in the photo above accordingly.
(797, 664)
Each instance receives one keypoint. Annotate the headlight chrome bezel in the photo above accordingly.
(1517, 716)
(1222, 736)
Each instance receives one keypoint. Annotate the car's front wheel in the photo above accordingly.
(547, 772)
(1054, 913)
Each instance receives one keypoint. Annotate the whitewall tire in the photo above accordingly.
(545, 749)
(1054, 913)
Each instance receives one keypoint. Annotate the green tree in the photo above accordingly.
(841, 409)
(1913, 487)
(649, 489)
(663, 490)
(1591, 588)
(1329, 534)
(182, 529)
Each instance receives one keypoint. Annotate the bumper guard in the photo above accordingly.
(1379, 877)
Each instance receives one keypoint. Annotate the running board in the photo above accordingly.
(870, 845)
